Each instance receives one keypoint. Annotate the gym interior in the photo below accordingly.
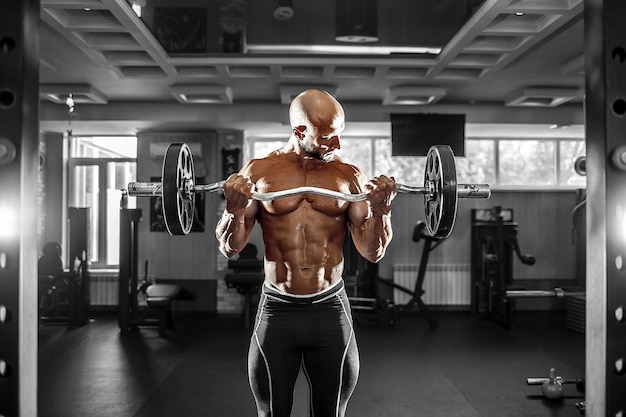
(506, 304)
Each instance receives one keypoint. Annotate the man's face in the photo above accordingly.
(321, 142)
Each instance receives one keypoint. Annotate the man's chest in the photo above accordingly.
(293, 177)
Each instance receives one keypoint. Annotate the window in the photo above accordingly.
(501, 163)
(100, 167)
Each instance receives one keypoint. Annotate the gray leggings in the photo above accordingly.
(313, 333)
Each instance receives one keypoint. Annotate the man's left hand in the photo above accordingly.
(380, 193)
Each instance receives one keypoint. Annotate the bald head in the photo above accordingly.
(317, 108)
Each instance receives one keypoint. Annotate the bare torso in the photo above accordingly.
(303, 234)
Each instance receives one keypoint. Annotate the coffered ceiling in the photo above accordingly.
(508, 61)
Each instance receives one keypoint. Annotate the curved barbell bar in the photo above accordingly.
(152, 189)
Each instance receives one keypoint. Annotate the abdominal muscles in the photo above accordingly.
(303, 243)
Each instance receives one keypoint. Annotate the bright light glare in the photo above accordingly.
(123, 146)
(137, 9)
(8, 222)
(620, 217)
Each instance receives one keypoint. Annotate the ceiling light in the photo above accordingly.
(409, 95)
(541, 97)
(284, 10)
(289, 92)
(137, 5)
(79, 94)
(341, 49)
(202, 94)
(69, 102)
(519, 13)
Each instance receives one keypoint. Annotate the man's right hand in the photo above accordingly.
(238, 191)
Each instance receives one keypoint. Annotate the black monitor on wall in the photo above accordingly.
(414, 134)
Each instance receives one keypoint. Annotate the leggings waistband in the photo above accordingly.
(323, 295)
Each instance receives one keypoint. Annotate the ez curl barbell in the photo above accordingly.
(178, 189)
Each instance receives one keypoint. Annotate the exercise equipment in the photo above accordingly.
(156, 298)
(416, 303)
(62, 294)
(552, 386)
(580, 166)
(386, 308)
(246, 277)
(494, 242)
(178, 190)
(556, 292)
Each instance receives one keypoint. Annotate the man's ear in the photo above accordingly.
(299, 131)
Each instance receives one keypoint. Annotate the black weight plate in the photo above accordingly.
(441, 204)
(179, 198)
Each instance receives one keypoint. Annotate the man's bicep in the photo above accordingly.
(357, 215)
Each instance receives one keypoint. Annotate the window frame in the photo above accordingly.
(101, 163)
(251, 140)
(103, 222)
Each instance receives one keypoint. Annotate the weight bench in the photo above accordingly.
(159, 297)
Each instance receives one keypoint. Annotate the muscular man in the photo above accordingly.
(304, 319)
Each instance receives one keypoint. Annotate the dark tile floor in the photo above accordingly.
(465, 367)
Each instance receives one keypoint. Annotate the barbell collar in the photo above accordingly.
(145, 189)
(473, 191)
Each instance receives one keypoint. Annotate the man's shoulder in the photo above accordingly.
(270, 159)
(345, 167)
(264, 163)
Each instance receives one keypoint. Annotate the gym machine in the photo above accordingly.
(64, 296)
(158, 297)
(386, 308)
(494, 241)
(416, 303)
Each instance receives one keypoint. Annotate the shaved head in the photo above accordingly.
(317, 108)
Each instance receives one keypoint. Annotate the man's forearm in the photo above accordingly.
(374, 236)
(232, 233)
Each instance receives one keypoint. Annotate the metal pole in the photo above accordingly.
(605, 84)
(19, 165)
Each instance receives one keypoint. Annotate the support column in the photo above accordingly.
(605, 76)
(19, 165)
(55, 172)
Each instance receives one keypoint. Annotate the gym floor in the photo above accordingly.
(465, 367)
